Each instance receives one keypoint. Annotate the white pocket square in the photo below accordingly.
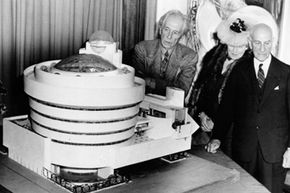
(276, 88)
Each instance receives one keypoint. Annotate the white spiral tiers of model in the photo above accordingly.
(85, 109)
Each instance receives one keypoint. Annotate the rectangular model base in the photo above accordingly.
(37, 152)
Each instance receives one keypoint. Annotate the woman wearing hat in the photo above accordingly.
(216, 66)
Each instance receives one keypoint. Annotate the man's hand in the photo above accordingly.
(150, 83)
(213, 145)
(206, 122)
(286, 159)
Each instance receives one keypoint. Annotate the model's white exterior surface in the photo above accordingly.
(84, 122)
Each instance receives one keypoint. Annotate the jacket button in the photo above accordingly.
(257, 127)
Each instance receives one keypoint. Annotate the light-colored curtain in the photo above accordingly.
(275, 8)
(134, 12)
(33, 31)
(150, 22)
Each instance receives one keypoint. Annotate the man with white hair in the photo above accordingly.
(164, 61)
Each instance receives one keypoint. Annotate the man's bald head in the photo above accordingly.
(261, 41)
(261, 29)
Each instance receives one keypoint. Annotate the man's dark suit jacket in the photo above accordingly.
(256, 120)
(181, 68)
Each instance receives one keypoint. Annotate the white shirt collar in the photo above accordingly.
(265, 67)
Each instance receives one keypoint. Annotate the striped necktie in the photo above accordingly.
(164, 64)
(261, 76)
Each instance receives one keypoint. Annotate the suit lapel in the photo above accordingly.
(272, 80)
(253, 82)
(154, 60)
(174, 60)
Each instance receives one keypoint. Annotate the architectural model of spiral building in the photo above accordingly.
(83, 122)
(83, 100)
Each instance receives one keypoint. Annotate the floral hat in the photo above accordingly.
(235, 30)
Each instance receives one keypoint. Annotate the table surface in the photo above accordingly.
(17, 179)
(247, 183)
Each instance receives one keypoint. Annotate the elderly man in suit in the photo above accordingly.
(164, 61)
(257, 102)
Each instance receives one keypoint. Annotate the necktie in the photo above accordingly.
(164, 64)
(261, 76)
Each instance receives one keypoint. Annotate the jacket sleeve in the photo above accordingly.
(138, 61)
(142, 67)
(186, 72)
